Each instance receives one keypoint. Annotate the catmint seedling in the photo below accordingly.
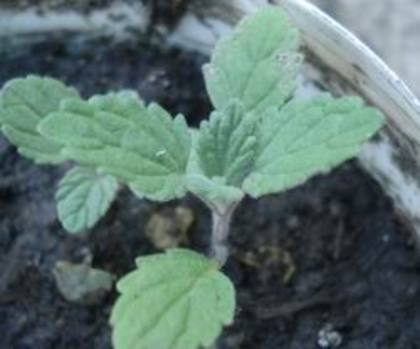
(259, 140)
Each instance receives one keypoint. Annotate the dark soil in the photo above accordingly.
(42, 5)
(162, 12)
(166, 12)
(330, 253)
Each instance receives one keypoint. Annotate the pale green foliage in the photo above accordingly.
(214, 192)
(83, 197)
(256, 142)
(305, 138)
(23, 104)
(253, 141)
(257, 64)
(176, 300)
(227, 144)
(224, 151)
(251, 144)
(141, 146)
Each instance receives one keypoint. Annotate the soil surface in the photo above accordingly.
(162, 12)
(42, 5)
(324, 265)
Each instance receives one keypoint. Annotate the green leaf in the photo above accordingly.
(306, 138)
(257, 64)
(214, 192)
(142, 147)
(83, 197)
(176, 300)
(163, 144)
(24, 102)
(227, 144)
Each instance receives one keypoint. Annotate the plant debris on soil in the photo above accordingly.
(322, 266)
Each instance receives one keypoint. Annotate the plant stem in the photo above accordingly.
(220, 233)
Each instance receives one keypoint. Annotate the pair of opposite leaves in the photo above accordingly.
(256, 142)
(253, 143)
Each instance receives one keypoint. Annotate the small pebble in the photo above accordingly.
(293, 222)
(386, 238)
(329, 338)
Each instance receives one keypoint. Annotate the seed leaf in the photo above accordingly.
(257, 64)
(306, 138)
(83, 197)
(176, 300)
(24, 102)
(140, 146)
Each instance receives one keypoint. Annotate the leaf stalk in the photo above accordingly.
(221, 220)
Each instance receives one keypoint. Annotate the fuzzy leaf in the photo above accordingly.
(214, 192)
(257, 64)
(176, 300)
(227, 144)
(142, 147)
(306, 138)
(83, 197)
(24, 102)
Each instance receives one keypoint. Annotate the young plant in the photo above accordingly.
(259, 140)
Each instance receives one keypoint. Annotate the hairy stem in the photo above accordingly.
(220, 233)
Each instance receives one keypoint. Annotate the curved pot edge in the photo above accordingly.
(393, 158)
